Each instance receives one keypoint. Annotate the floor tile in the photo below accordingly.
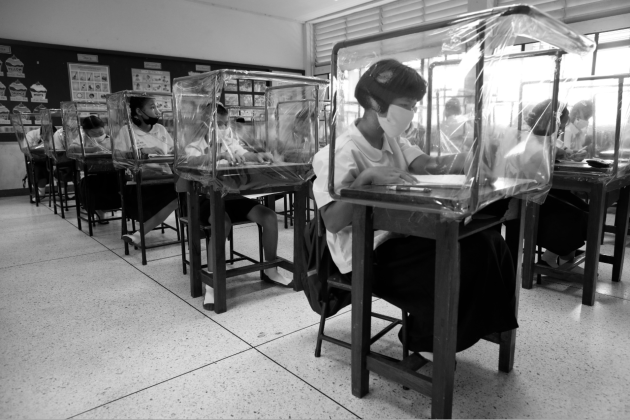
(85, 331)
(47, 243)
(247, 385)
(19, 207)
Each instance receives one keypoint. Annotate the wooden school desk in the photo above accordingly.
(248, 179)
(373, 215)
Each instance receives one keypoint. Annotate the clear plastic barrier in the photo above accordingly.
(28, 138)
(235, 147)
(79, 145)
(151, 151)
(485, 120)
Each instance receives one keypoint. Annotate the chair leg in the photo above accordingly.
(286, 226)
(320, 332)
(261, 257)
(291, 209)
(405, 334)
(230, 239)
(182, 241)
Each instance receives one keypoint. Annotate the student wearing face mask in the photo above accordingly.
(158, 200)
(575, 131)
(242, 208)
(34, 140)
(372, 151)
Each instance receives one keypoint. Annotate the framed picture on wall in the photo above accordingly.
(88, 82)
(245, 85)
(246, 100)
(231, 86)
(231, 99)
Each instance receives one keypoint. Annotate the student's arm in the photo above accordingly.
(438, 165)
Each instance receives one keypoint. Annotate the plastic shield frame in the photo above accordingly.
(480, 43)
(250, 147)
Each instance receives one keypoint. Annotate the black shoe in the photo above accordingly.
(99, 221)
(208, 306)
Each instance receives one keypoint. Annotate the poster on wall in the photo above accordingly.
(153, 81)
(89, 83)
(15, 67)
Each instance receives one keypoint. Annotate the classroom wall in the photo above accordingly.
(180, 28)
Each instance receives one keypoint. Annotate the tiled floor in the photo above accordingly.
(86, 331)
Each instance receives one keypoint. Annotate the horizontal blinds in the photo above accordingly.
(571, 11)
(389, 17)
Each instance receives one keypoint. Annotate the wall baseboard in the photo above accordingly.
(14, 192)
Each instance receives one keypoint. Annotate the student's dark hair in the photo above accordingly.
(583, 109)
(539, 118)
(92, 122)
(136, 102)
(221, 110)
(452, 107)
(385, 81)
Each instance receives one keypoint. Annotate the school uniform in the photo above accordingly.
(154, 197)
(405, 266)
(237, 208)
(40, 168)
(574, 138)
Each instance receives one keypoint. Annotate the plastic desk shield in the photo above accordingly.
(78, 145)
(486, 138)
(30, 145)
(133, 148)
(250, 148)
(597, 134)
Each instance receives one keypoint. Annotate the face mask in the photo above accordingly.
(224, 133)
(397, 120)
(99, 138)
(581, 124)
(150, 120)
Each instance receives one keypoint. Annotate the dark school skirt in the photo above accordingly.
(237, 209)
(405, 277)
(154, 199)
(40, 169)
(100, 191)
(562, 222)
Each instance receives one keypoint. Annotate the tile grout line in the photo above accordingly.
(160, 383)
(312, 386)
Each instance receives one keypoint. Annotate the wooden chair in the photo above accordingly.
(207, 231)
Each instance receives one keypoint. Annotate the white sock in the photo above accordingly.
(550, 258)
(427, 355)
(275, 275)
(209, 296)
(135, 237)
(42, 191)
(100, 213)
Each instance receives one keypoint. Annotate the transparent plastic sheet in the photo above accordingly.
(128, 141)
(252, 147)
(78, 145)
(34, 150)
(487, 122)
(598, 128)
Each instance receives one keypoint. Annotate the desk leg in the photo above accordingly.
(301, 196)
(445, 318)
(194, 240)
(514, 237)
(362, 272)
(621, 230)
(217, 257)
(596, 212)
(77, 192)
(530, 220)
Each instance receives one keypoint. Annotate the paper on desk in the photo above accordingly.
(442, 180)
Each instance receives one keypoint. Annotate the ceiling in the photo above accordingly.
(296, 10)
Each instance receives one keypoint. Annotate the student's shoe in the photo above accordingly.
(550, 259)
(208, 297)
(132, 239)
(272, 275)
(100, 220)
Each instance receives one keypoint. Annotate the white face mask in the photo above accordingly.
(581, 124)
(99, 138)
(397, 120)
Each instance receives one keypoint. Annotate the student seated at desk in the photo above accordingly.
(563, 218)
(100, 190)
(241, 208)
(159, 200)
(34, 140)
(574, 138)
(372, 151)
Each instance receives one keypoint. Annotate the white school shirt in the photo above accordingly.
(573, 137)
(198, 148)
(34, 137)
(157, 137)
(58, 140)
(353, 154)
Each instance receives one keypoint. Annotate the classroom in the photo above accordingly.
(314, 209)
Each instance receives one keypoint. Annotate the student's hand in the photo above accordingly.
(578, 155)
(236, 160)
(384, 175)
(258, 157)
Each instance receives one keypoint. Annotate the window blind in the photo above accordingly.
(389, 17)
(571, 11)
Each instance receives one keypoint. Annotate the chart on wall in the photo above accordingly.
(153, 81)
(89, 83)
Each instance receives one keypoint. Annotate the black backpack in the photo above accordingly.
(315, 283)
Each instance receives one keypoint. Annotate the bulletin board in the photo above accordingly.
(36, 74)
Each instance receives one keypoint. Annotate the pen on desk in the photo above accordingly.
(414, 188)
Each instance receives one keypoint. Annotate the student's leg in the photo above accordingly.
(267, 218)
(208, 300)
(154, 221)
